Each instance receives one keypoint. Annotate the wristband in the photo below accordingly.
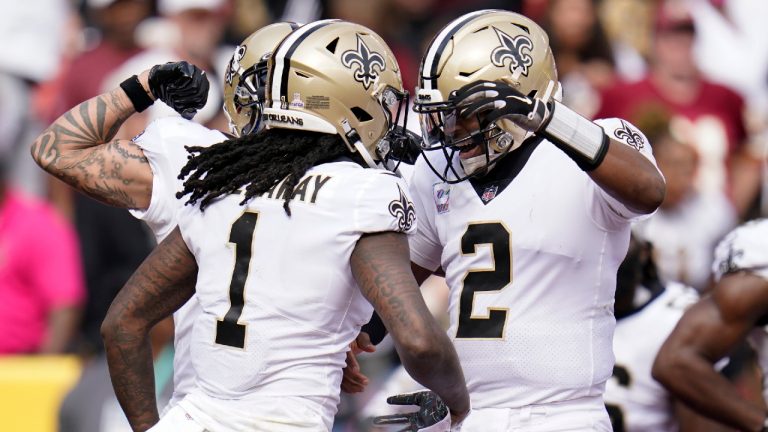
(136, 93)
(581, 139)
(375, 329)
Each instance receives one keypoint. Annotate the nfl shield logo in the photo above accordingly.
(489, 194)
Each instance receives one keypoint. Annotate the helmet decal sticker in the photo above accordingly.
(517, 50)
(367, 62)
(234, 64)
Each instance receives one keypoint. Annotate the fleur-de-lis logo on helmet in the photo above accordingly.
(403, 210)
(517, 50)
(367, 62)
(234, 64)
(630, 136)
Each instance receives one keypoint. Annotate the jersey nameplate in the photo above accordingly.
(306, 190)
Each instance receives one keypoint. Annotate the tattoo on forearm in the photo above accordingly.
(380, 270)
(164, 282)
(76, 148)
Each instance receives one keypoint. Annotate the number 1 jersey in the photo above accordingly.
(279, 303)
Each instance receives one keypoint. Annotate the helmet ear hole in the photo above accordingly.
(331, 47)
(361, 114)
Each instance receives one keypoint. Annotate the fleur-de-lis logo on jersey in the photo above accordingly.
(403, 210)
(517, 50)
(234, 64)
(367, 62)
(630, 136)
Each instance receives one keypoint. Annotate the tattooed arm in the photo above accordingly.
(163, 282)
(78, 149)
(382, 268)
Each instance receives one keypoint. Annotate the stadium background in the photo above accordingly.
(56, 53)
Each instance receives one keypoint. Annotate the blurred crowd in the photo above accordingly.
(691, 74)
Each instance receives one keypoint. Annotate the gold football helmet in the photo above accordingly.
(246, 74)
(337, 77)
(492, 45)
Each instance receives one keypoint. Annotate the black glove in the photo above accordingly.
(432, 416)
(182, 86)
(492, 101)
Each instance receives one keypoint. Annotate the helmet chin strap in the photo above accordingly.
(354, 138)
(364, 153)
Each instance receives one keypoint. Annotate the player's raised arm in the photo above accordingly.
(381, 267)
(79, 149)
(163, 282)
(704, 335)
(619, 169)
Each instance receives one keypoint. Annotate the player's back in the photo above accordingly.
(280, 305)
(636, 401)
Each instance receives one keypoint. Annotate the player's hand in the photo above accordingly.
(492, 101)
(432, 416)
(353, 380)
(181, 85)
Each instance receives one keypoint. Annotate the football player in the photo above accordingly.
(646, 312)
(141, 174)
(286, 240)
(527, 207)
(736, 309)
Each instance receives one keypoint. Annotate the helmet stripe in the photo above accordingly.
(282, 59)
(432, 59)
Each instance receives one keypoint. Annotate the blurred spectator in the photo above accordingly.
(731, 48)
(116, 21)
(689, 223)
(704, 114)
(582, 51)
(33, 34)
(113, 245)
(190, 30)
(41, 283)
(629, 26)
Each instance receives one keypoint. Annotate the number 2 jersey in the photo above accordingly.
(531, 265)
(279, 303)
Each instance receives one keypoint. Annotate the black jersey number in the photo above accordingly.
(483, 280)
(229, 331)
(622, 377)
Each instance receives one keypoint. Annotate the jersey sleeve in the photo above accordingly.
(426, 249)
(743, 249)
(163, 143)
(607, 210)
(383, 204)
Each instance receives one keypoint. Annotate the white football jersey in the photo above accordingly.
(532, 271)
(636, 401)
(746, 249)
(163, 144)
(279, 303)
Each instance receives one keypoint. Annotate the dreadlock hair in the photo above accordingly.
(257, 162)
